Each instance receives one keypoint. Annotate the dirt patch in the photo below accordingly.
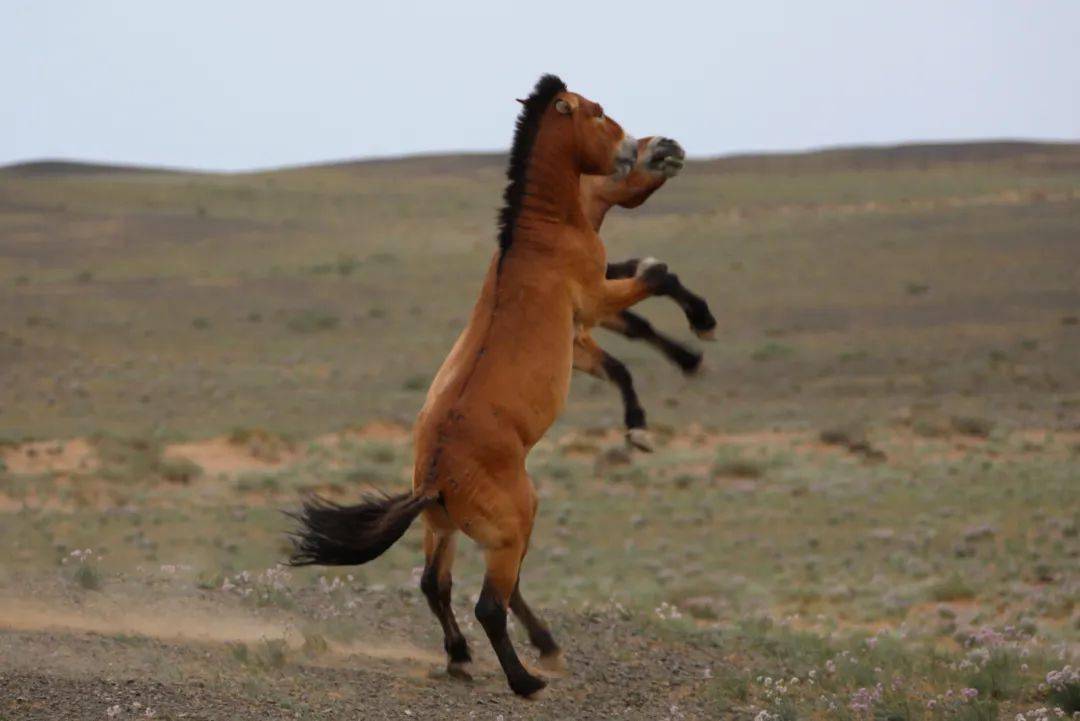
(376, 431)
(222, 455)
(189, 622)
(50, 457)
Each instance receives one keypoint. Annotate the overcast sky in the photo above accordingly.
(238, 84)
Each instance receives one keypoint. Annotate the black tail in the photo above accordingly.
(333, 535)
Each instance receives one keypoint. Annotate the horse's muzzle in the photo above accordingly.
(626, 157)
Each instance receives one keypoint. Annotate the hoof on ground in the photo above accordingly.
(529, 687)
(459, 670)
(553, 664)
(640, 438)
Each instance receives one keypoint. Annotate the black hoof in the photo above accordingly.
(689, 362)
(665, 150)
(701, 320)
(526, 685)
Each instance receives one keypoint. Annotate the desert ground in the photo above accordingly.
(865, 505)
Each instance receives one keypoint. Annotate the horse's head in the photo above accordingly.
(601, 146)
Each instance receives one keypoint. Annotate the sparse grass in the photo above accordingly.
(271, 653)
(314, 644)
(312, 321)
(745, 236)
(772, 351)
(780, 555)
(380, 452)
(953, 588)
(731, 463)
(1066, 697)
(998, 677)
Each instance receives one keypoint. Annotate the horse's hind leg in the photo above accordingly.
(594, 360)
(436, 583)
(503, 565)
(540, 637)
(635, 327)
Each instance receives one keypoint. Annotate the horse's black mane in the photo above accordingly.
(528, 123)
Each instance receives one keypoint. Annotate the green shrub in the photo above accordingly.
(178, 470)
(312, 321)
(951, 589)
(88, 577)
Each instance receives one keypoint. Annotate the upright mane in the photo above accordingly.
(528, 123)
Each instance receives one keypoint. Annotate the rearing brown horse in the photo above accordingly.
(503, 383)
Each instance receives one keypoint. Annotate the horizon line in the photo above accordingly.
(419, 155)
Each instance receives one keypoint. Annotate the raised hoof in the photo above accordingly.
(640, 439)
(665, 156)
(528, 686)
(708, 334)
(553, 663)
(459, 670)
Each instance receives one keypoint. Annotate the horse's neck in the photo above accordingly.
(552, 186)
(595, 201)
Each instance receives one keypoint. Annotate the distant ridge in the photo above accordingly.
(867, 157)
(912, 155)
(50, 167)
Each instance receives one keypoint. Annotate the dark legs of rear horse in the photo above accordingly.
(694, 306)
(592, 359)
(635, 327)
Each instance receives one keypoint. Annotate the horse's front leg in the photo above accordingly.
(592, 359)
(665, 283)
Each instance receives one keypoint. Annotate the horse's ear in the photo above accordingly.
(520, 100)
(562, 106)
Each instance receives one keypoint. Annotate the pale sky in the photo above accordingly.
(241, 84)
